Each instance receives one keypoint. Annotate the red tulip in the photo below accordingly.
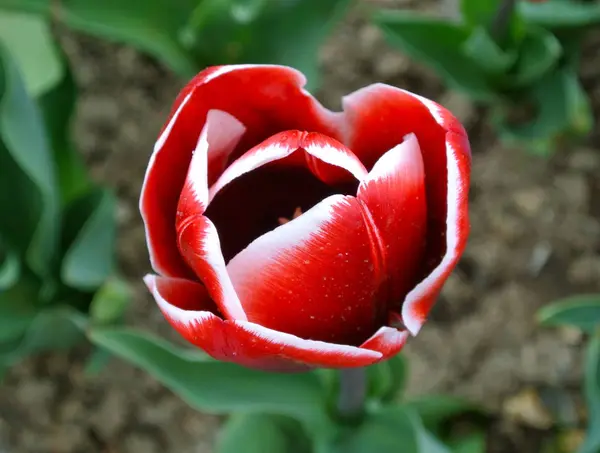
(286, 235)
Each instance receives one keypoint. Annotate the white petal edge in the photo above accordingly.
(157, 147)
(221, 131)
(277, 337)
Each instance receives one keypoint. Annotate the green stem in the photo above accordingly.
(353, 392)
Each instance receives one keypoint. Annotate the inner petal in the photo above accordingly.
(279, 179)
(253, 204)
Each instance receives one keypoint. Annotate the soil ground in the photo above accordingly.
(535, 237)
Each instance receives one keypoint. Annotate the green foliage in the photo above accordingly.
(260, 433)
(530, 59)
(56, 250)
(581, 311)
(188, 35)
(592, 395)
(213, 386)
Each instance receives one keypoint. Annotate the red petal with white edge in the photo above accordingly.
(419, 301)
(394, 196)
(216, 142)
(218, 139)
(387, 340)
(190, 311)
(378, 117)
(327, 158)
(199, 245)
(266, 99)
(316, 276)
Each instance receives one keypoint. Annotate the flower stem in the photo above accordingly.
(353, 392)
(502, 18)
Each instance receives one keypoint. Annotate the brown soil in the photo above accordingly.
(535, 237)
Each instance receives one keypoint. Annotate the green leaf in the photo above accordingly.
(288, 32)
(555, 14)
(562, 110)
(58, 328)
(471, 443)
(89, 259)
(387, 380)
(479, 13)
(434, 410)
(261, 433)
(58, 107)
(538, 54)
(438, 44)
(17, 308)
(31, 43)
(217, 387)
(110, 301)
(10, 268)
(581, 311)
(26, 164)
(97, 361)
(591, 387)
(150, 25)
(484, 52)
(391, 429)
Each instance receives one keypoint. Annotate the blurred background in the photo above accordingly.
(535, 238)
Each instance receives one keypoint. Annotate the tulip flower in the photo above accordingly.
(287, 236)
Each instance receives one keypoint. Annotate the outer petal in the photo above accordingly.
(187, 307)
(394, 196)
(316, 276)
(265, 99)
(387, 340)
(378, 117)
(216, 142)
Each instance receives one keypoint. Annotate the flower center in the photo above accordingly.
(253, 204)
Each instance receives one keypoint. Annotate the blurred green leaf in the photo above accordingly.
(213, 386)
(478, 13)
(57, 328)
(581, 311)
(438, 44)
(10, 268)
(89, 259)
(434, 410)
(287, 32)
(25, 150)
(471, 443)
(562, 109)
(538, 53)
(560, 13)
(97, 361)
(58, 107)
(484, 52)
(110, 301)
(391, 429)
(261, 433)
(387, 380)
(17, 309)
(150, 25)
(591, 443)
(31, 43)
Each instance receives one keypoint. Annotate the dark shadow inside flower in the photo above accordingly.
(254, 203)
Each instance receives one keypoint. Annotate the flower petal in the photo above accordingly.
(266, 99)
(378, 117)
(394, 196)
(316, 276)
(188, 309)
(388, 341)
(327, 158)
(199, 245)
(218, 139)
